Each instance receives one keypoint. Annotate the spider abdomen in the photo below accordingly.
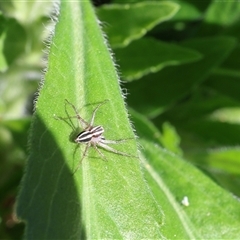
(97, 131)
(93, 134)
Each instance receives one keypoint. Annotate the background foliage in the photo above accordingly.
(179, 62)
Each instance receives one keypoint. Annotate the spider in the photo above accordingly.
(92, 136)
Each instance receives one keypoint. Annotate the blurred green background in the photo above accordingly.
(181, 72)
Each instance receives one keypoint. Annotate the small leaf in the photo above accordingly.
(202, 104)
(227, 159)
(133, 20)
(187, 12)
(229, 114)
(171, 139)
(226, 82)
(148, 55)
(223, 13)
(173, 83)
(214, 132)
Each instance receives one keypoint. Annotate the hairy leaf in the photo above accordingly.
(103, 199)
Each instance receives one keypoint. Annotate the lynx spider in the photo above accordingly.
(92, 135)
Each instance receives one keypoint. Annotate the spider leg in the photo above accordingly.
(110, 149)
(65, 120)
(94, 112)
(104, 141)
(83, 123)
(83, 156)
(100, 153)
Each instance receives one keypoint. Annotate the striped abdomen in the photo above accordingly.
(94, 134)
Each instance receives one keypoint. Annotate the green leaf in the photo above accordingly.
(231, 62)
(148, 55)
(171, 139)
(19, 129)
(190, 6)
(26, 12)
(193, 204)
(226, 82)
(200, 105)
(229, 181)
(3, 62)
(187, 12)
(227, 159)
(172, 180)
(12, 48)
(221, 18)
(228, 114)
(148, 130)
(16, 85)
(133, 20)
(225, 79)
(214, 132)
(172, 83)
(223, 13)
(18, 81)
(103, 199)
